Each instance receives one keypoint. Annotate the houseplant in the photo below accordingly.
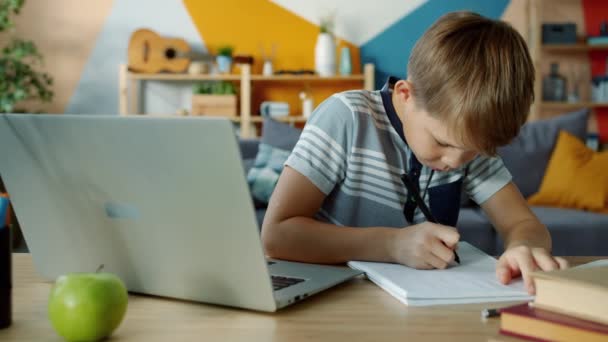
(224, 59)
(215, 98)
(19, 78)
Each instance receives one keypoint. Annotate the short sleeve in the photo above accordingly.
(321, 152)
(485, 176)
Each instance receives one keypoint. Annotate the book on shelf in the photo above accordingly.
(580, 292)
(597, 40)
(532, 323)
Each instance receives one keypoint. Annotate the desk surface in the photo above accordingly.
(355, 311)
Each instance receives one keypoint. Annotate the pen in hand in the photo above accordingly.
(423, 207)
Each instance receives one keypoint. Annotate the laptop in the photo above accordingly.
(161, 202)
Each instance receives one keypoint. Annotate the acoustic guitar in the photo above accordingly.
(151, 53)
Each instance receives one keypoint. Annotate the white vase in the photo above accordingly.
(325, 55)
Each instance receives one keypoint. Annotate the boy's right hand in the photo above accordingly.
(425, 245)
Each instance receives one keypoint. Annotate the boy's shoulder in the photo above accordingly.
(361, 100)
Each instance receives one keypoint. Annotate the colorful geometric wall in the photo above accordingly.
(379, 32)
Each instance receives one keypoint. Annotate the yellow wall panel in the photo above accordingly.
(249, 26)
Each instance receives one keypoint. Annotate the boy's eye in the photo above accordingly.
(441, 144)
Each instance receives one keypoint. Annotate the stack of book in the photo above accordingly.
(570, 305)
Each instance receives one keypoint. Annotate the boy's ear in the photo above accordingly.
(403, 91)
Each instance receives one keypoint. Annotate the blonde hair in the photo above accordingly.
(477, 75)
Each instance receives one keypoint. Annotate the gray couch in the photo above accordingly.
(574, 232)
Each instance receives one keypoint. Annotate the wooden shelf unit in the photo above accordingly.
(129, 89)
(572, 58)
(578, 47)
(572, 105)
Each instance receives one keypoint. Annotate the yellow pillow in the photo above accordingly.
(576, 177)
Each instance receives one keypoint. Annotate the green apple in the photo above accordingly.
(87, 306)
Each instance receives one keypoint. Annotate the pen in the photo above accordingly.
(488, 313)
(425, 210)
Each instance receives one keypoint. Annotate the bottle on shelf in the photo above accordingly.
(554, 85)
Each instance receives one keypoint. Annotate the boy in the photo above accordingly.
(341, 195)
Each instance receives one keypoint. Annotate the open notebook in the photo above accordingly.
(473, 281)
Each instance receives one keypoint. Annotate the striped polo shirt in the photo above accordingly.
(352, 151)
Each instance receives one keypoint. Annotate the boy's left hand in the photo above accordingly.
(522, 261)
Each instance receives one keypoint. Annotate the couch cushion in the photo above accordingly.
(528, 154)
(576, 177)
(278, 139)
(279, 135)
(475, 229)
(574, 232)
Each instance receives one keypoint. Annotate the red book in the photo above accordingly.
(537, 324)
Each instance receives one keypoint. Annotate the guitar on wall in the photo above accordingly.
(150, 53)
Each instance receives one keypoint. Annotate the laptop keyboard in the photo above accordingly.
(279, 283)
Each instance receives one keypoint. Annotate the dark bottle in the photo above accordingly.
(554, 85)
(5, 268)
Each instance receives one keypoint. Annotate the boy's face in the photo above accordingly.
(427, 136)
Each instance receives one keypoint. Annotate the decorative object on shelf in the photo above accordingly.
(20, 78)
(224, 59)
(243, 59)
(267, 69)
(215, 99)
(198, 68)
(307, 104)
(346, 67)
(240, 60)
(599, 89)
(576, 76)
(325, 48)
(295, 72)
(554, 85)
(559, 33)
(602, 39)
(148, 52)
(274, 108)
(268, 66)
(593, 141)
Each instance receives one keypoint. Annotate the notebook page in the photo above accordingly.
(473, 281)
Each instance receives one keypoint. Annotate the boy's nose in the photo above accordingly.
(454, 160)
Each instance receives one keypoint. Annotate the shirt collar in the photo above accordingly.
(387, 101)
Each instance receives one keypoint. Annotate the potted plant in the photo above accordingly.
(224, 59)
(19, 78)
(214, 98)
(325, 48)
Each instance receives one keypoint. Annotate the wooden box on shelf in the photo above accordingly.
(214, 105)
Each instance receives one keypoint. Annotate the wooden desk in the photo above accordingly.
(355, 311)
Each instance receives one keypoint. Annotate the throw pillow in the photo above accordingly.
(278, 139)
(576, 177)
(528, 154)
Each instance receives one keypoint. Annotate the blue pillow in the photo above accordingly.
(278, 139)
(528, 154)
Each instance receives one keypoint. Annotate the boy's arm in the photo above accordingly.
(290, 232)
(526, 240)
(514, 221)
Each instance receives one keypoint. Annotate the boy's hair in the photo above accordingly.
(477, 75)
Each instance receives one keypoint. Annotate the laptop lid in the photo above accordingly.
(161, 202)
